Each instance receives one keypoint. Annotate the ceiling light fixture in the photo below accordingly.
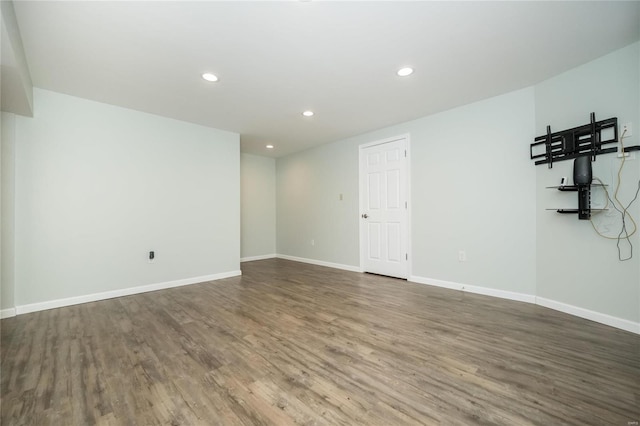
(269, 146)
(210, 77)
(307, 113)
(403, 72)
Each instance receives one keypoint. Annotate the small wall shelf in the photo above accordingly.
(584, 199)
(573, 188)
(573, 211)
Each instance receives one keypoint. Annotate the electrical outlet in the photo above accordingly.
(626, 127)
(462, 256)
(152, 256)
(313, 242)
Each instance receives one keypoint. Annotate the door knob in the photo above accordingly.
(364, 216)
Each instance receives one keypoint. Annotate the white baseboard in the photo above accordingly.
(7, 313)
(609, 320)
(503, 294)
(261, 257)
(58, 303)
(605, 319)
(320, 263)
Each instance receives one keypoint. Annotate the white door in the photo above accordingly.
(384, 208)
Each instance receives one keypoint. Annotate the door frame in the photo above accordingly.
(361, 204)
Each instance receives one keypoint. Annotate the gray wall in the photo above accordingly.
(576, 266)
(99, 186)
(258, 206)
(7, 221)
(309, 185)
(472, 188)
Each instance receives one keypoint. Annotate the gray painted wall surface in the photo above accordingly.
(7, 221)
(575, 265)
(472, 188)
(258, 205)
(98, 187)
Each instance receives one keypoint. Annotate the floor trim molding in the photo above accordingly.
(320, 263)
(598, 317)
(623, 324)
(502, 294)
(7, 313)
(261, 257)
(94, 297)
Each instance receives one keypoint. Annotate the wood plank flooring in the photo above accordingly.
(290, 343)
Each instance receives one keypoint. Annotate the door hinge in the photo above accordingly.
(406, 256)
(405, 205)
(405, 153)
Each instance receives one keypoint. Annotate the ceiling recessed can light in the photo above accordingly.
(269, 146)
(403, 72)
(307, 113)
(210, 77)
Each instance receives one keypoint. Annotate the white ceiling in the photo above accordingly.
(276, 59)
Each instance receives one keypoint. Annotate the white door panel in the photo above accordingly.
(383, 192)
(374, 241)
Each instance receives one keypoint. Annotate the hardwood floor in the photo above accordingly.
(290, 343)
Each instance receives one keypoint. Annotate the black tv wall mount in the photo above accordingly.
(589, 139)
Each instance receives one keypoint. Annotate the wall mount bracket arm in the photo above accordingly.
(571, 143)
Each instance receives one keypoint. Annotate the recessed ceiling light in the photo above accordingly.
(307, 113)
(403, 72)
(210, 77)
(269, 146)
